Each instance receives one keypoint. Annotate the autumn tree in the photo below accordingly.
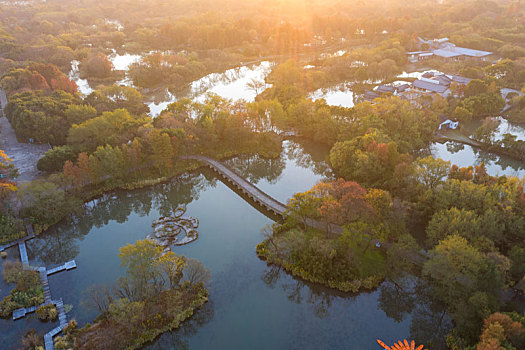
(7, 172)
(96, 65)
(346, 203)
(501, 331)
(37, 76)
(142, 270)
(371, 160)
(150, 270)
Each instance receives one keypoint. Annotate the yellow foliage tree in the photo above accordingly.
(5, 185)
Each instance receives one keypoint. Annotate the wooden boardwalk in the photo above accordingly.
(22, 312)
(246, 187)
(18, 241)
(257, 195)
(62, 320)
(23, 255)
(279, 208)
(48, 337)
(43, 273)
(45, 284)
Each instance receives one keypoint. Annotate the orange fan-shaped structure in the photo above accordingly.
(401, 345)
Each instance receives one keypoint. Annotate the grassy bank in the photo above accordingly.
(333, 262)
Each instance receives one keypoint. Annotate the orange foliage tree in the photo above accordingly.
(37, 76)
(405, 345)
(345, 203)
(499, 329)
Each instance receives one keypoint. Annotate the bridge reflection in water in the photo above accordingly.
(277, 209)
(256, 195)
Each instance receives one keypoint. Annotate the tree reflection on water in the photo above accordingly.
(60, 243)
(405, 297)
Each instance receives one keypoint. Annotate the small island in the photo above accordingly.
(158, 292)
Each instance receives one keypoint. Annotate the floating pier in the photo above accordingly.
(43, 274)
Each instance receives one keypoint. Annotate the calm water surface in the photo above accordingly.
(252, 305)
(338, 95)
(464, 156)
(230, 84)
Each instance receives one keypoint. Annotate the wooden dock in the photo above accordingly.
(67, 266)
(62, 319)
(43, 274)
(22, 312)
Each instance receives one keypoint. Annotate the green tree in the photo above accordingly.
(46, 203)
(475, 87)
(54, 159)
(466, 281)
(430, 172)
(162, 150)
(303, 206)
(371, 160)
(112, 128)
(460, 222)
(399, 255)
(118, 97)
(77, 114)
(110, 162)
(40, 116)
(463, 115)
(486, 104)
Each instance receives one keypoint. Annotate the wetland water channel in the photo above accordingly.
(252, 305)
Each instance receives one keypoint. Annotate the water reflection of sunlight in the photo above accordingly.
(232, 84)
(464, 156)
(338, 95)
(83, 85)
